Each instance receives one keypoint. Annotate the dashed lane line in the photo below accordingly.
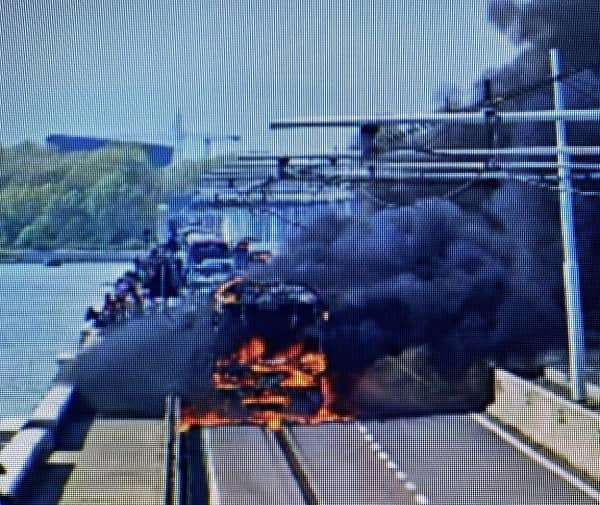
(390, 465)
(383, 456)
(422, 499)
(401, 476)
(411, 487)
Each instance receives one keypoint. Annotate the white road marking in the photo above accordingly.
(213, 488)
(391, 465)
(422, 499)
(400, 476)
(537, 457)
(409, 486)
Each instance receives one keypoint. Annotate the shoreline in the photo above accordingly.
(58, 256)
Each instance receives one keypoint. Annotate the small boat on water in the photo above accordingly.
(53, 262)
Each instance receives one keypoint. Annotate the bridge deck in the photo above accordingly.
(120, 461)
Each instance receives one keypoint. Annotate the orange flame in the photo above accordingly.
(292, 352)
(251, 352)
(190, 417)
(325, 412)
(298, 379)
(223, 295)
(274, 421)
(267, 398)
(294, 369)
(315, 362)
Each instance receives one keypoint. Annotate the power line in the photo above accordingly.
(527, 90)
(537, 183)
(495, 101)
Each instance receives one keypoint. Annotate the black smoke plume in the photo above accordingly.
(570, 25)
(428, 274)
(478, 274)
(574, 28)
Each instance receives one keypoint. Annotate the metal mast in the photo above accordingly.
(569, 242)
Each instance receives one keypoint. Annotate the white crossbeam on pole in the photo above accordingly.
(404, 170)
(480, 117)
(398, 176)
(440, 166)
(301, 156)
(521, 151)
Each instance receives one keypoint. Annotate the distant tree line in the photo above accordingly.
(101, 199)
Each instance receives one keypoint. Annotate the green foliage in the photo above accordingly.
(98, 199)
(181, 177)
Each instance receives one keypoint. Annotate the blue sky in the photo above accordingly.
(124, 68)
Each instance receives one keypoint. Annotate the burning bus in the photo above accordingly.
(270, 367)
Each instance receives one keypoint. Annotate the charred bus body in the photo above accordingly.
(280, 313)
(268, 348)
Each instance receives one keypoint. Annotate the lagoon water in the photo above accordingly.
(41, 315)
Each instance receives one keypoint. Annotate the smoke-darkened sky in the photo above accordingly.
(124, 68)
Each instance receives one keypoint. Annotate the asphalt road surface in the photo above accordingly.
(420, 461)
(456, 460)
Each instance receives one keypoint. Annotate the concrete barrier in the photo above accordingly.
(33, 440)
(9, 426)
(592, 391)
(28, 449)
(566, 429)
(51, 411)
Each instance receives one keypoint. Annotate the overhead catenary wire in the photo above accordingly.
(494, 103)
(496, 171)
(337, 179)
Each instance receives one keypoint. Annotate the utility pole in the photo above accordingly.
(570, 262)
